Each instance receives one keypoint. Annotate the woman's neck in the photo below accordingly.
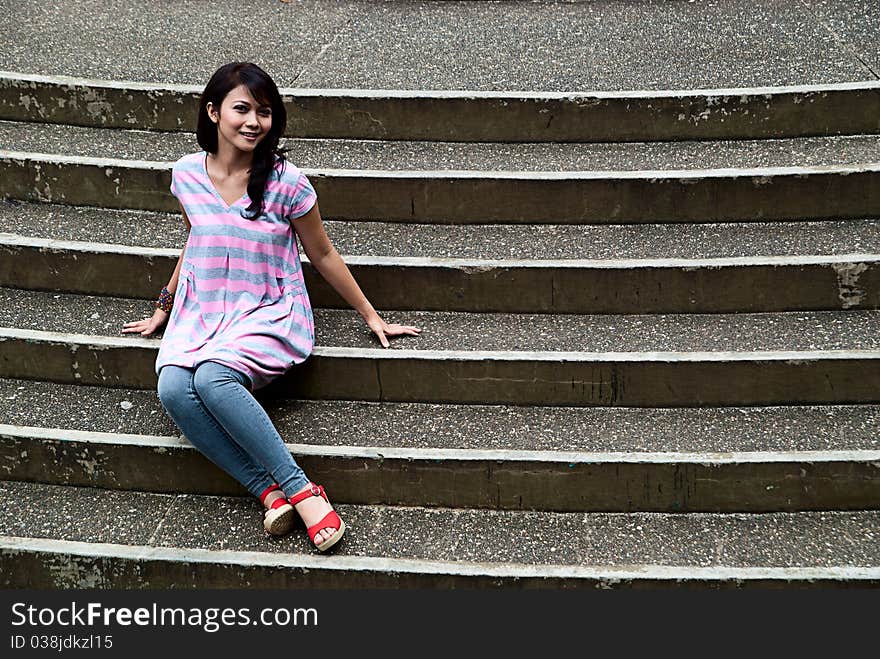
(229, 161)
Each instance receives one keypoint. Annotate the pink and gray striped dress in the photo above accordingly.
(241, 299)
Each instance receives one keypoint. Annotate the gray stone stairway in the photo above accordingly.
(650, 353)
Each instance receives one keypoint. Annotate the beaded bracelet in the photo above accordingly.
(166, 300)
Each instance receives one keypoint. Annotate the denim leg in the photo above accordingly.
(179, 397)
(226, 397)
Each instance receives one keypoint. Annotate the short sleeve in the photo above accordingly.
(302, 195)
(174, 178)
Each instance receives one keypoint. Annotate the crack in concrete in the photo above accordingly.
(324, 49)
(839, 39)
(379, 379)
(152, 540)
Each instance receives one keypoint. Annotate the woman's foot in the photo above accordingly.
(278, 518)
(323, 524)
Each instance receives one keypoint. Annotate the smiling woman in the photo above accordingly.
(240, 315)
(240, 124)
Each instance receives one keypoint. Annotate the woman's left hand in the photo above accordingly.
(383, 330)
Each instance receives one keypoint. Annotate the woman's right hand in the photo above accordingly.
(147, 326)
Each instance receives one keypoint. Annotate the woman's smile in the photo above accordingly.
(241, 120)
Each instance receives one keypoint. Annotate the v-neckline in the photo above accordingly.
(214, 189)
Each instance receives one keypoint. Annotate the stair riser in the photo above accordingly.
(462, 116)
(46, 569)
(674, 288)
(613, 486)
(524, 381)
(450, 198)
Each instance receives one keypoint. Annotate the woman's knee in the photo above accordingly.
(173, 387)
(210, 377)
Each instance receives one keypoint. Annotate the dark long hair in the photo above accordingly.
(267, 154)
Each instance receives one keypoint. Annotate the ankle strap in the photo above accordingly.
(272, 488)
(312, 491)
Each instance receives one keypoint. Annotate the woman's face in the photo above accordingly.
(241, 121)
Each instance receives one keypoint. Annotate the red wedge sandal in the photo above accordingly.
(329, 521)
(279, 518)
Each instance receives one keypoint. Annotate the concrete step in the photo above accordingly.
(408, 45)
(676, 360)
(489, 242)
(408, 156)
(743, 113)
(551, 482)
(503, 457)
(855, 330)
(828, 276)
(68, 537)
(470, 196)
(409, 426)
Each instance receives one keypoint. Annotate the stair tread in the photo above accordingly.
(533, 46)
(488, 242)
(453, 156)
(802, 539)
(463, 331)
(503, 469)
(38, 404)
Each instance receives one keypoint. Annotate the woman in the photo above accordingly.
(240, 315)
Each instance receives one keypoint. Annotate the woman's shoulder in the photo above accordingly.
(293, 189)
(287, 172)
(189, 161)
(289, 179)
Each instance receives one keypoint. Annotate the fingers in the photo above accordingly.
(383, 339)
(402, 329)
(383, 330)
(142, 327)
(394, 331)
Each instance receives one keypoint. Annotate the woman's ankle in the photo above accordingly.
(272, 497)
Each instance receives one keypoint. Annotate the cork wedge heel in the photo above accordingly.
(279, 517)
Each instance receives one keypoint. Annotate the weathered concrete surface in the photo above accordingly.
(87, 181)
(96, 268)
(632, 286)
(105, 104)
(65, 565)
(124, 362)
(750, 113)
(554, 46)
(436, 547)
(667, 196)
(476, 242)
(855, 23)
(810, 550)
(555, 378)
(356, 426)
(429, 156)
(506, 480)
(482, 197)
(469, 331)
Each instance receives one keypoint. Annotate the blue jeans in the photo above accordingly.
(214, 408)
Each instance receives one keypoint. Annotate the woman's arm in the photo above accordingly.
(332, 268)
(147, 326)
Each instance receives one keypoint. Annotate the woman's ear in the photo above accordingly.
(213, 115)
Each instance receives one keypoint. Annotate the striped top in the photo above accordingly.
(241, 299)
